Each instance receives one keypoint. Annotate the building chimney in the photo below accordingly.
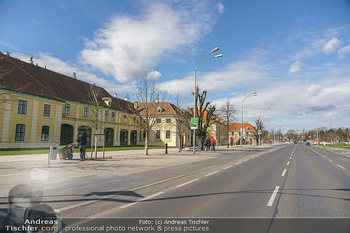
(31, 60)
(115, 94)
(74, 75)
(136, 105)
(7, 54)
(126, 98)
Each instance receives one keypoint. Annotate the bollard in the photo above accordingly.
(166, 148)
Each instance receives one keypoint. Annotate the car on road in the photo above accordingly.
(307, 143)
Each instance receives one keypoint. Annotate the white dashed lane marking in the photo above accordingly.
(273, 196)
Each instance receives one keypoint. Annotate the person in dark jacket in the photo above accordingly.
(82, 144)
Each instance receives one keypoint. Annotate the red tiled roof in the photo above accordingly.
(28, 78)
(238, 126)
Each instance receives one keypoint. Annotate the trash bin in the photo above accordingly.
(53, 153)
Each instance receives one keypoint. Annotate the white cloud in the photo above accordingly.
(221, 8)
(343, 52)
(237, 74)
(332, 46)
(126, 47)
(296, 67)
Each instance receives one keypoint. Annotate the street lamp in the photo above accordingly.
(195, 91)
(253, 94)
(260, 124)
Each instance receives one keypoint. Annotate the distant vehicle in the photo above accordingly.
(307, 143)
(295, 142)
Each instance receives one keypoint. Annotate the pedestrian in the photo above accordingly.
(212, 142)
(82, 144)
(206, 142)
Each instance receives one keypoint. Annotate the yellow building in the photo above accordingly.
(236, 133)
(167, 128)
(42, 108)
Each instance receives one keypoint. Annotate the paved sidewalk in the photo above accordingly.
(12, 161)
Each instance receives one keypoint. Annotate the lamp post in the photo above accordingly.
(253, 94)
(195, 91)
(260, 124)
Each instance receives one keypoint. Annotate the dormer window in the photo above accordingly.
(107, 100)
(159, 109)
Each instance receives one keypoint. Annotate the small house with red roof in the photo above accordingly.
(236, 133)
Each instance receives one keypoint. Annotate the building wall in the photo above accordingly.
(33, 119)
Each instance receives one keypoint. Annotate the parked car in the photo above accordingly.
(307, 143)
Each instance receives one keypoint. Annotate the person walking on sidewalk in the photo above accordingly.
(212, 142)
(82, 144)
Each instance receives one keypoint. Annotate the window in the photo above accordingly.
(86, 112)
(134, 120)
(20, 132)
(168, 120)
(159, 121)
(113, 116)
(144, 134)
(22, 107)
(67, 109)
(158, 134)
(47, 109)
(45, 130)
(106, 115)
(167, 134)
(125, 118)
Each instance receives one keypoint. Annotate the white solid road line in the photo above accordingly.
(238, 163)
(227, 167)
(341, 167)
(211, 173)
(273, 196)
(284, 172)
(187, 183)
(143, 199)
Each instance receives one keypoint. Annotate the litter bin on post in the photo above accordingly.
(52, 153)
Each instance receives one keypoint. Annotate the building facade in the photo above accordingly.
(42, 108)
(236, 133)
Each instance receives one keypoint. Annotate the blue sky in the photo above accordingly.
(295, 54)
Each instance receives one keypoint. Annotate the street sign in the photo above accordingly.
(259, 131)
(194, 123)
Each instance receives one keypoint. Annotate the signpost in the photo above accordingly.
(194, 123)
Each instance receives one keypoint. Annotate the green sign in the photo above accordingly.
(194, 123)
(259, 131)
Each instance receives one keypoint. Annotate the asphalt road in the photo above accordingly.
(308, 186)
(287, 188)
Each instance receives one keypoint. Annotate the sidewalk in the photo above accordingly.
(11, 161)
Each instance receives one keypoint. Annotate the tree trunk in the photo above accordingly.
(146, 144)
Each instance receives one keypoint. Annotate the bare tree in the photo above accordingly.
(205, 113)
(227, 113)
(5, 97)
(96, 111)
(147, 108)
(257, 135)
